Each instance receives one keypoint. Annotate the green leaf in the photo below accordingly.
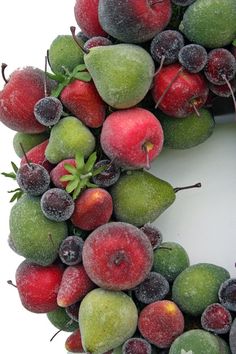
(100, 170)
(80, 67)
(57, 91)
(15, 168)
(91, 185)
(76, 192)
(15, 190)
(72, 185)
(90, 162)
(70, 168)
(83, 76)
(79, 158)
(57, 77)
(14, 197)
(10, 175)
(67, 178)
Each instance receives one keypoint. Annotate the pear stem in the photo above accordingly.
(3, 67)
(231, 90)
(197, 185)
(25, 156)
(169, 86)
(11, 283)
(72, 29)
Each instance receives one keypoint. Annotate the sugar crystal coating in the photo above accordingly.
(33, 179)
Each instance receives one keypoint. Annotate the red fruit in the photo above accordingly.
(134, 21)
(179, 92)
(216, 318)
(132, 137)
(117, 256)
(161, 322)
(18, 97)
(37, 155)
(86, 15)
(74, 286)
(58, 171)
(92, 208)
(38, 286)
(83, 101)
(74, 343)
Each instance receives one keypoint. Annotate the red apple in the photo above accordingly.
(178, 91)
(132, 137)
(38, 286)
(83, 101)
(37, 155)
(18, 97)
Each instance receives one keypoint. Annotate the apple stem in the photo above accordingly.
(25, 156)
(161, 64)
(148, 165)
(3, 67)
(169, 86)
(60, 330)
(231, 90)
(45, 77)
(11, 283)
(197, 185)
(76, 39)
(196, 110)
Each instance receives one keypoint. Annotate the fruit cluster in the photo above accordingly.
(140, 75)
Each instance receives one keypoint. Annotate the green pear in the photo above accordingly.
(122, 73)
(34, 236)
(28, 141)
(139, 197)
(68, 137)
(106, 319)
(61, 320)
(64, 53)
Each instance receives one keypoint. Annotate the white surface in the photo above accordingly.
(202, 220)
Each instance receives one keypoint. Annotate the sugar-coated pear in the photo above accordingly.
(139, 197)
(34, 236)
(28, 141)
(68, 137)
(106, 319)
(122, 73)
(64, 53)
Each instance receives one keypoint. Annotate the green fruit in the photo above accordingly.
(211, 23)
(33, 235)
(68, 137)
(28, 141)
(187, 132)
(61, 320)
(170, 259)
(197, 287)
(122, 73)
(106, 320)
(198, 341)
(64, 53)
(139, 197)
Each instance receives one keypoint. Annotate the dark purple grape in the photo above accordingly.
(223, 90)
(154, 235)
(193, 57)
(166, 45)
(48, 111)
(216, 318)
(73, 311)
(136, 346)
(107, 177)
(155, 287)
(227, 294)
(70, 251)
(33, 179)
(57, 204)
(232, 337)
(97, 42)
(221, 66)
(183, 2)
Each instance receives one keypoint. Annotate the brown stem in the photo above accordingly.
(60, 330)
(169, 86)
(3, 67)
(11, 283)
(25, 156)
(231, 91)
(197, 185)
(51, 239)
(76, 39)
(161, 64)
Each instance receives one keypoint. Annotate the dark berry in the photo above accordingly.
(136, 346)
(153, 234)
(193, 57)
(183, 2)
(97, 42)
(221, 66)
(155, 287)
(33, 179)
(108, 176)
(73, 311)
(57, 204)
(227, 294)
(166, 45)
(70, 251)
(48, 111)
(232, 337)
(223, 90)
(216, 318)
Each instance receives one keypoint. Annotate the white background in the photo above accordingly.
(202, 220)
